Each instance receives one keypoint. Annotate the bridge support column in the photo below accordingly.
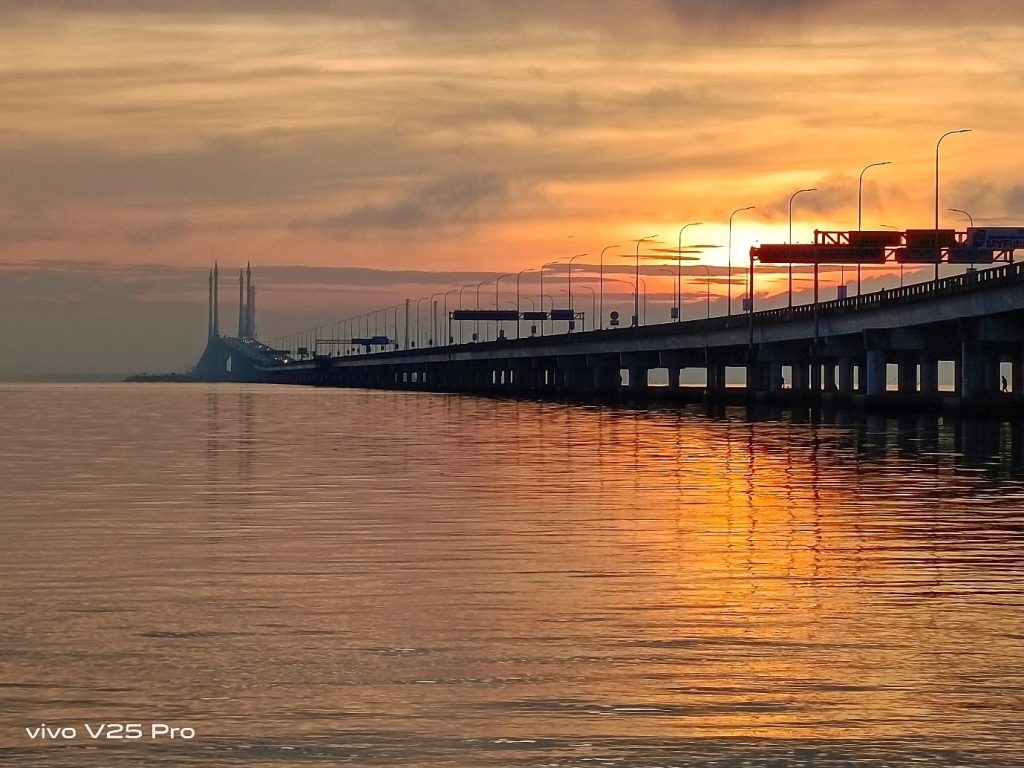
(991, 362)
(814, 377)
(637, 377)
(757, 377)
(607, 379)
(846, 375)
(775, 380)
(875, 372)
(715, 377)
(673, 377)
(830, 375)
(800, 376)
(1017, 373)
(907, 374)
(972, 381)
(522, 377)
(929, 375)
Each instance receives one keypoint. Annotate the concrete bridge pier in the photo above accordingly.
(801, 374)
(545, 379)
(674, 371)
(607, 379)
(572, 372)
(929, 380)
(1017, 371)
(830, 376)
(814, 371)
(637, 377)
(875, 373)
(907, 374)
(972, 382)
(846, 375)
(522, 375)
(716, 377)
(775, 379)
(991, 360)
(638, 364)
(757, 377)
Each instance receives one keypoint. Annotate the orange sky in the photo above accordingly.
(479, 137)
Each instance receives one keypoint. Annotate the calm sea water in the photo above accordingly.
(328, 577)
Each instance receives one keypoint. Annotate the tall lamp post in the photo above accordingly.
(417, 323)
(543, 267)
(678, 299)
(670, 274)
(634, 286)
(790, 241)
(571, 260)
(433, 318)
(593, 306)
(937, 145)
(467, 285)
(970, 218)
(448, 317)
(497, 323)
(518, 311)
(600, 280)
(729, 278)
(394, 309)
(707, 284)
(636, 296)
(478, 286)
(860, 205)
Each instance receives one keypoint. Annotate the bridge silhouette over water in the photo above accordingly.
(970, 326)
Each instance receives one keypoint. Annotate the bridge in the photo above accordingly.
(970, 326)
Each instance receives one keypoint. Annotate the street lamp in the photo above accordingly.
(518, 312)
(497, 323)
(394, 340)
(571, 260)
(860, 207)
(416, 325)
(937, 144)
(636, 295)
(678, 299)
(965, 213)
(468, 285)
(729, 278)
(478, 286)
(433, 318)
(790, 241)
(448, 317)
(543, 267)
(600, 280)
(672, 275)
(593, 306)
(634, 286)
(707, 284)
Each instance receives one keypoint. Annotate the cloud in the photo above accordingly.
(987, 201)
(833, 195)
(459, 199)
(462, 15)
(172, 229)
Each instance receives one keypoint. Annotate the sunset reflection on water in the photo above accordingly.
(369, 578)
